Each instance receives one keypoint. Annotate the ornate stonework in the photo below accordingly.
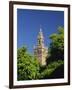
(40, 51)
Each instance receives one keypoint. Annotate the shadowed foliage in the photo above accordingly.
(56, 49)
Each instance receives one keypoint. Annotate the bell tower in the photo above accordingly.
(40, 51)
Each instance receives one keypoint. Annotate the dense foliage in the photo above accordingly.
(28, 67)
(56, 49)
(49, 70)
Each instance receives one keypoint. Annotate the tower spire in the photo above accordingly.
(40, 37)
(40, 28)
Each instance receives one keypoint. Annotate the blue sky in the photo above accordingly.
(28, 26)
